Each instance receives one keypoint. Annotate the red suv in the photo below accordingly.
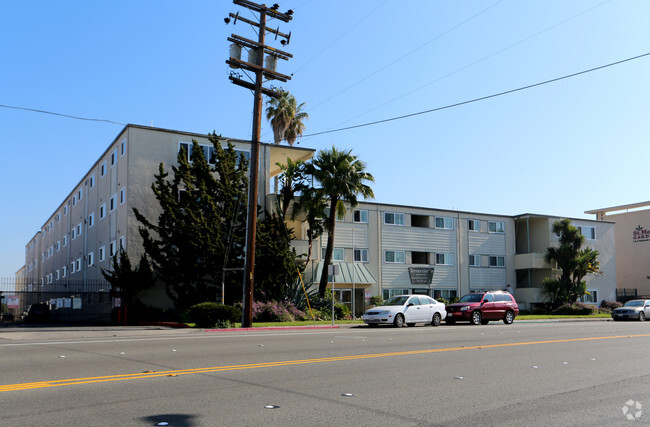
(481, 307)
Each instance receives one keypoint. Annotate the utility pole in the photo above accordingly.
(256, 55)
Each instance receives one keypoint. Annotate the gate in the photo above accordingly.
(68, 302)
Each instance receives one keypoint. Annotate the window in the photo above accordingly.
(91, 220)
(80, 194)
(78, 262)
(57, 275)
(444, 223)
(91, 181)
(79, 230)
(445, 259)
(361, 255)
(113, 202)
(474, 260)
(103, 169)
(338, 254)
(394, 257)
(122, 242)
(123, 147)
(420, 221)
(361, 215)
(73, 268)
(445, 293)
(497, 261)
(187, 147)
(393, 218)
(496, 227)
(102, 253)
(65, 210)
(114, 157)
(91, 258)
(122, 195)
(111, 249)
(74, 200)
(588, 232)
(58, 245)
(73, 233)
(102, 211)
(388, 293)
(474, 225)
(65, 241)
(64, 271)
(591, 297)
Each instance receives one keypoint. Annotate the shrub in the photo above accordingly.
(442, 300)
(376, 300)
(539, 310)
(274, 311)
(453, 300)
(209, 314)
(610, 305)
(577, 308)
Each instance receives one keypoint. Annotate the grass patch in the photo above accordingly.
(562, 316)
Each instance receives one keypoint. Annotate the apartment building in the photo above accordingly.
(96, 218)
(380, 249)
(387, 250)
(632, 238)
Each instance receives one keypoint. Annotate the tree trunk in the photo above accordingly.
(330, 247)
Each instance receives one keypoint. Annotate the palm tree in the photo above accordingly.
(342, 177)
(286, 117)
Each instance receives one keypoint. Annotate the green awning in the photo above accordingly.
(349, 272)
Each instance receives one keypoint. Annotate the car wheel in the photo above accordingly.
(410, 325)
(399, 321)
(641, 316)
(450, 321)
(435, 321)
(476, 318)
(509, 317)
(484, 322)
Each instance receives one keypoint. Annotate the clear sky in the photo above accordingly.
(559, 149)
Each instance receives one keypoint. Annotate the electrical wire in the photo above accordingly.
(62, 115)
(483, 98)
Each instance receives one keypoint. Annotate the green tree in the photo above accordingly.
(293, 181)
(341, 177)
(275, 259)
(574, 262)
(286, 117)
(127, 282)
(201, 226)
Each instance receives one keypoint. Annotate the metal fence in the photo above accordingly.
(67, 301)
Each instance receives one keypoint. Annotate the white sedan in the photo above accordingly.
(406, 309)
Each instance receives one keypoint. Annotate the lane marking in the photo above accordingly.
(155, 374)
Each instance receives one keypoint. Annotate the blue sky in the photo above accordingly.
(558, 149)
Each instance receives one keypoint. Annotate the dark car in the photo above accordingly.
(481, 307)
(38, 313)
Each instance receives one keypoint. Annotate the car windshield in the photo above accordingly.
(634, 304)
(396, 300)
(471, 298)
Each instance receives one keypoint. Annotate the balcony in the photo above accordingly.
(532, 260)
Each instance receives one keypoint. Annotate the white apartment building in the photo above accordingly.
(380, 249)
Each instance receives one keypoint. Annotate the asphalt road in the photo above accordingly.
(573, 373)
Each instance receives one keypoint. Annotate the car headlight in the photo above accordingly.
(464, 308)
(383, 312)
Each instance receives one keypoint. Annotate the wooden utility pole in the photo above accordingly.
(256, 67)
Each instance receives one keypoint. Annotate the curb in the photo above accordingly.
(271, 328)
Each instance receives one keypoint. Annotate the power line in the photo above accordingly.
(62, 115)
(483, 98)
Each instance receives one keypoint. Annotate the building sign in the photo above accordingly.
(421, 276)
(13, 301)
(641, 234)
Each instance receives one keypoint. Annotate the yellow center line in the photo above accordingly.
(155, 374)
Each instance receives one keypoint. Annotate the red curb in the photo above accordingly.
(271, 328)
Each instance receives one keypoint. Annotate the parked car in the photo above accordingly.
(38, 313)
(482, 307)
(636, 309)
(406, 309)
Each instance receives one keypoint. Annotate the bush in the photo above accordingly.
(209, 314)
(376, 300)
(608, 306)
(539, 310)
(577, 308)
(274, 311)
(442, 300)
(453, 300)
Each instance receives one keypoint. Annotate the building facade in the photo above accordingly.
(632, 237)
(379, 249)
